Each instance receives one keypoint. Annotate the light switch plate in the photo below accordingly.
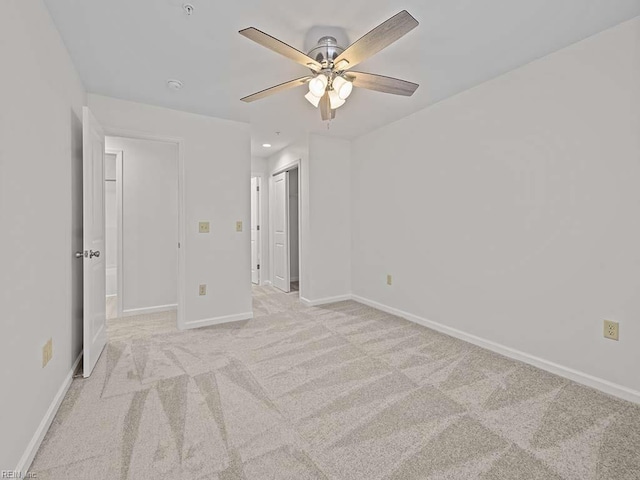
(202, 290)
(238, 226)
(389, 280)
(203, 227)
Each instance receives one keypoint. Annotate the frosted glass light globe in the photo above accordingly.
(343, 87)
(318, 84)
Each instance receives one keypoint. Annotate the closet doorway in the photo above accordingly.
(286, 229)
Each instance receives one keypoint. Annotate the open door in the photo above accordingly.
(255, 231)
(281, 274)
(93, 219)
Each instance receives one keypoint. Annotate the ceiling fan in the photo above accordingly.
(331, 80)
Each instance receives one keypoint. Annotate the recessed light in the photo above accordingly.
(174, 84)
(266, 145)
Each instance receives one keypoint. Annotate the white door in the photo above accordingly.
(94, 278)
(255, 231)
(281, 277)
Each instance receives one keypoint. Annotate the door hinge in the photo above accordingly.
(258, 188)
(178, 244)
(258, 266)
(258, 227)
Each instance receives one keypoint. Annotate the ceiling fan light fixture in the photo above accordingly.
(330, 84)
(313, 100)
(335, 99)
(343, 87)
(318, 85)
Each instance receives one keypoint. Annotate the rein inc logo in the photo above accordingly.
(17, 474)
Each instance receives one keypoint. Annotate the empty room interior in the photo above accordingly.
(356, 240)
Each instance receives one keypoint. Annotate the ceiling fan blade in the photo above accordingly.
(280, 47)
(380, 37)
(380, 83)
(278, 88)
(325, 107)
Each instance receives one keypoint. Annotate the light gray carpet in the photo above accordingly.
(337, 392)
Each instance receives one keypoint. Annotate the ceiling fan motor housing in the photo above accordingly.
(326, 51)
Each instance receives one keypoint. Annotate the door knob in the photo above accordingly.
(79, 254)
(94, 254)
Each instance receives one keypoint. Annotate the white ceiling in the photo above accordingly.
(128, 49)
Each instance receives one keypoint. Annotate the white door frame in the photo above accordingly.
(260, 227)
(281, 260)
(94, 335)
(120, 240)
(182, 247)
(290, 166)
(263, 200)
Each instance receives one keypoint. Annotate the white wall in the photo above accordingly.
(217, 159)
(150, 223)
(330, 229)
(511, 211)
(40, 220)
(259, 165)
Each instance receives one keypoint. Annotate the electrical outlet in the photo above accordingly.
(202, 290)
(238, 226)
(47, 352)
(611, 330)
(389, 280)
(203, 227)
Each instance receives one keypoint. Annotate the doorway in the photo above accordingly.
(286, 229)
(141, 226)
(94, 225)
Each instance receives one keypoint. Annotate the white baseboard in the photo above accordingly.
(31, 450)
(266, 283)
(111, 296)
(207, 322)
(294, 279)
(560, 370)
(324, 301)
(144, 311)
